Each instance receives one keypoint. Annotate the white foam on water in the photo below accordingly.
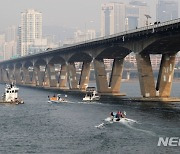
(100, 125)
(140, 130)
(88, 102)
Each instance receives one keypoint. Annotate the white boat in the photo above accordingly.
(11, 95)
(91, 94)
(57, 99)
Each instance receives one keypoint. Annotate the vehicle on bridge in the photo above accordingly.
(11, 95)
(91, 94)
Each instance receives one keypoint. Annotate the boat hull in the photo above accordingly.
(54, 101)
(12, 102)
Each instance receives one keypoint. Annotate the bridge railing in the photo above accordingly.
(114, 35)
(122, 33)
(130, 31)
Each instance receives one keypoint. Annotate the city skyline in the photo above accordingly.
(115, 17)
(71, 14)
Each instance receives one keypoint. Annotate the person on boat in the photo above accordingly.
(120, 114)
(112, 115)
(59, 97)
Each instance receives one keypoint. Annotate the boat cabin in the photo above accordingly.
(11, 93)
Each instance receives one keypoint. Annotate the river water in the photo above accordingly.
(41, 127)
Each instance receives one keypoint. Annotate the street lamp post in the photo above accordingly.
(147, 16)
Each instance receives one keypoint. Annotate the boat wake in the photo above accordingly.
(141, 130)
(92, 102)
(123, 120)
(127, 122)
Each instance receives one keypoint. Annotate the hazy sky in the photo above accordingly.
(69, 13)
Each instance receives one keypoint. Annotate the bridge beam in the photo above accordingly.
(166, 73)
(146, 77)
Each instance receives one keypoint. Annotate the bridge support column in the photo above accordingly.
(52, 75)
(146, 78)
(34, 76)
(1, 75)
(26, 76)
(101, 78)
(39, 79)
(166, 73)
(18, 76)
(46, 77)
(116, 76)
(63, 77)
(4, 75)
(72, 79)
(11, 75)
(84, 78)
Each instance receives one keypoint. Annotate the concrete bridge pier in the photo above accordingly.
(84, 78)
(11, 74)
(26, 75)
(51, 75)
(101, 79)
(34, 76)
(18, 75)
(146, 78)
(4, 75)
(72, 79)
(116, 75)
(46, 82)
(63, 77)
(166, 73)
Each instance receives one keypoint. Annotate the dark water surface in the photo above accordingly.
(40, 127)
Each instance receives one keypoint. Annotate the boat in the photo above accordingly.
(91, 94)
(11, 95)
(57, 99)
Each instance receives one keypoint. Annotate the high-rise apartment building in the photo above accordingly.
(31, 29)
(11, 33)
(135, 14)
(118, 17)
(167, 10)
(112, 18)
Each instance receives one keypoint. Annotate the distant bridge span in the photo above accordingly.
(39, 69)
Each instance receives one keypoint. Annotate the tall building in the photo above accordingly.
(31, 29)
(2, 42)
(167, 10)
(11, 33)
(135, 14)
(118, 17)
(112, 18)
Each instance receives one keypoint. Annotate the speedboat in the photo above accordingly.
(11, 95)
(120, 119)
(57, 99)
(91, 95)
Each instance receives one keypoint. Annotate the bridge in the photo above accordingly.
(39, 70)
